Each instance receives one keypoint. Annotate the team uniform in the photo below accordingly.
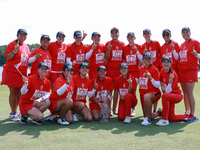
(102, 91)
(10, 75)
(80, 88)
(154, 48)
(170, 99)
(145, 85)
(188, 63)
(36, 89)
(77, 53)
(127, 100)
(166, 51)
(54, 98)
(116, 58)
(97, 59)
(58, 55)
(130, 57)
(46, 57)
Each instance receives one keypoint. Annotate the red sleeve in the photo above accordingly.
(29, 82)
(110, 83)
(175, 81)
(116, 84)
(156, 75)
(68, 51)
(197, 47)
(9, 49)
(48, 86)
(106, 46)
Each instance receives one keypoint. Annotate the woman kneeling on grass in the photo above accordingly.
(171, 93)
(125, 85)
(81, 85)
(35, 94)
(61, 97)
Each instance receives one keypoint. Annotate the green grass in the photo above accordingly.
(93, 135)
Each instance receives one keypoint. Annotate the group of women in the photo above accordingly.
(58, 77)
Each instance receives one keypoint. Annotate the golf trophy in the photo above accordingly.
(104, 109)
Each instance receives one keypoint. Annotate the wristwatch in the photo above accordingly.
(13, 52)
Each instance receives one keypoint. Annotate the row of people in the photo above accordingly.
(69, 93)
(56, 54)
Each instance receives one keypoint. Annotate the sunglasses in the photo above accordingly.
(166, 34)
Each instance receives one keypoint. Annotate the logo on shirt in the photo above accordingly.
(122, 93)
(143, 83)
(183, 55)
(124, 85)
(37, 94)
(83, 85)
(150, 48)
(80, 51)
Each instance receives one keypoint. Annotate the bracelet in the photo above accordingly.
(13, 53)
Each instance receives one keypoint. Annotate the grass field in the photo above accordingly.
(114, 135)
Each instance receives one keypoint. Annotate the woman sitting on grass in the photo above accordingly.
(61, 97)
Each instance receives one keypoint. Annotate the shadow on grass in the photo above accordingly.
(114, 127)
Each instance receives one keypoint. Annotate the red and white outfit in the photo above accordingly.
(145, 84)
(46, 57)
(37, 88)
(104, 87)
(10, 76)
(127, 100)
(166, 51)
(96, 59)
(188, 63)
(54, 98)
(132, 60)
(77, 53)
(116, 58)
(58, 55)
(171, 95)
(154, 48)
(80, 88)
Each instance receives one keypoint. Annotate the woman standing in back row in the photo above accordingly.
(16, 55)
(188, 71)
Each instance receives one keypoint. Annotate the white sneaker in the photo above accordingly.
(162, 122)
(127, 119)
(50, 118)
(14, 117)
(146, 121)
(62, 121)
(75, 118)
(133, 113)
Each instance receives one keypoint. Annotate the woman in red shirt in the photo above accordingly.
(171, 93)
(125, 86)
(58, 54)
(81, 85)
(95, 54)
(188, 71)
(61, 97)
(149, 83)
(35, 94)
(16, 55)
